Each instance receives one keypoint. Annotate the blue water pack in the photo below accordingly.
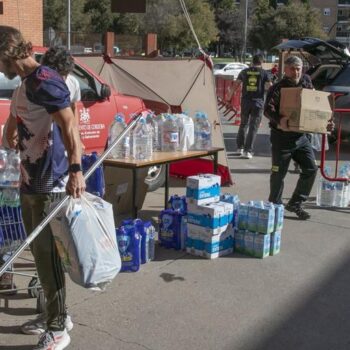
(178, 203)
(95, 184)
(147, 232)
(129, 244)
(170, 229)
(235, 201)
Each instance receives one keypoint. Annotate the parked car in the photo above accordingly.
(329, 70)
(97, 108)
(232, 69)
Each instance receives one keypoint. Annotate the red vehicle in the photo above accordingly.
(98, 105)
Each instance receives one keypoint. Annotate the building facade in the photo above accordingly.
(26, 15)
(334, 14)
(343, 22)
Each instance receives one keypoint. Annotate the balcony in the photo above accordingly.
(344, 18)
(343, 34)
(344, 3)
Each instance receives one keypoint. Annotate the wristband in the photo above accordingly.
(74, 168)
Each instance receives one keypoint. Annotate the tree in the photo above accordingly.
(229, 21)
(166, 18)
(294, 20)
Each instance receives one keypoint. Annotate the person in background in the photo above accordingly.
(287, 145)
(43, 118)
(253, 80)
(62, 61)
(274, 72)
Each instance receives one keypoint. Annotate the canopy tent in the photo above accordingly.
(176, 84)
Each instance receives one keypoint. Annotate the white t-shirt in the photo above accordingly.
(74, 88)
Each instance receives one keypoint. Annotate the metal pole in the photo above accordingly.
(68, 25)
(60, 205)
(245, 31)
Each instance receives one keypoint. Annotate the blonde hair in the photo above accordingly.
(13, 45)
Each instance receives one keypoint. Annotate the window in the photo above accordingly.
(326, 11)
(343, 79)
(1, 8)
(324, 76)
(7, 86)
(88, 84)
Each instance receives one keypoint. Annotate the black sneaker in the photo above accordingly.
(297, 209)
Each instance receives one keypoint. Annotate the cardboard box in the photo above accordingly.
(203, 189)
(307, 110)
(119, 190)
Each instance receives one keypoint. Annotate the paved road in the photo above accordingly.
(298, 300)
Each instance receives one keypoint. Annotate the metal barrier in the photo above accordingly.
(341, 112)
(228, 93)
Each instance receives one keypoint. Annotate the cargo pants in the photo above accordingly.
(284, 148)
(251, 115)
(35, 208)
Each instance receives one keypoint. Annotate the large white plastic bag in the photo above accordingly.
(84, 233)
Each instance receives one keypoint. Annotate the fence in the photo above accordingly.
(124, 45)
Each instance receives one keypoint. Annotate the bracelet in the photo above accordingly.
(74, 168)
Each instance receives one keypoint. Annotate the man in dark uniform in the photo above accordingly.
(287, 145)
(252, 104)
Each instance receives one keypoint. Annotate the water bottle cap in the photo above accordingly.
(119, 118)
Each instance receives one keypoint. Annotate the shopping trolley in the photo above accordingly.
(13, 244)
(12, 235)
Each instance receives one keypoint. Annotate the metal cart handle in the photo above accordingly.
(57, 208)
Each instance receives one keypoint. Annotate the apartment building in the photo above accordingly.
(335, 16)
(343, 22)
(26, 15)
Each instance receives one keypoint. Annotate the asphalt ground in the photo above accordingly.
(297, 300)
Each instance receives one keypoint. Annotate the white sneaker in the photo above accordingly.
(53, 341)
(240, 151)
(38, 325)
(247, 155)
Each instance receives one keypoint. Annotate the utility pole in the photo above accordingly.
(68, 25)
(245, 31)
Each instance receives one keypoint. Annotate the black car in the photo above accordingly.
(328, 64)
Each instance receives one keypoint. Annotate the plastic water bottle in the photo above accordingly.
(3, 165)
(325, 191)
(202, 132)
(12, 172)
(341, 197)
(150, 119)
(122, 149)
(142, 141)
(159, 119)
(170, 135)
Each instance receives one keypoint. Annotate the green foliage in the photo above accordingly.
(222, 4)
(294, 20)
(56, 15)
(166, 18)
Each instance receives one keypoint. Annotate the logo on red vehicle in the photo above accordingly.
(84, 115)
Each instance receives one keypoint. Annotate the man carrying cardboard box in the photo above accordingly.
(287, 144)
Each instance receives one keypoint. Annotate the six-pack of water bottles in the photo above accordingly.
(173, 224)
(259, 228)
(334, 193)
(163, 132)
(136, 240)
